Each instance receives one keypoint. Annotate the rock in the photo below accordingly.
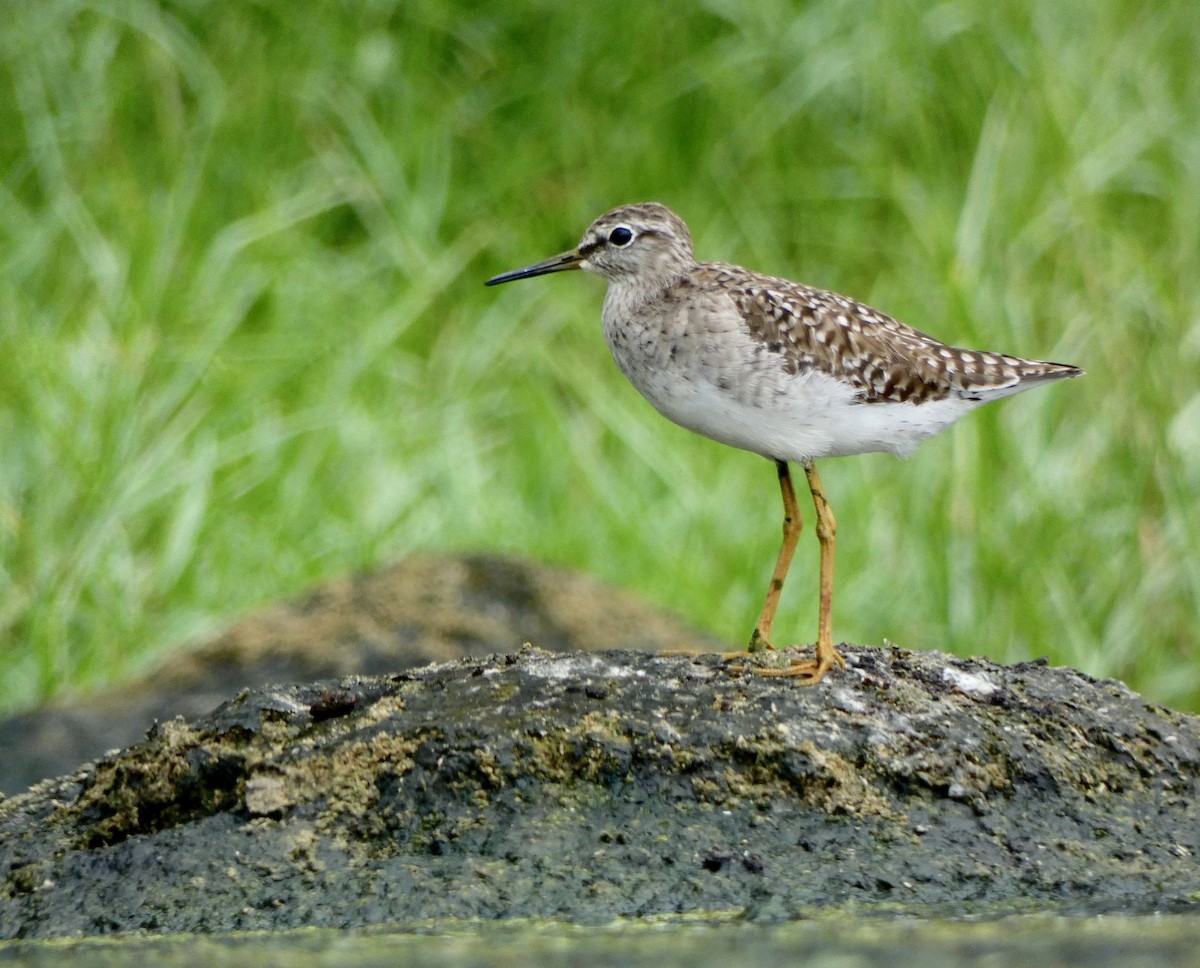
(418, 611)
(593, 786)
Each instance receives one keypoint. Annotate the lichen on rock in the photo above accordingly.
(592, 786)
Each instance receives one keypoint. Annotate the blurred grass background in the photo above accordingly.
(244, 342)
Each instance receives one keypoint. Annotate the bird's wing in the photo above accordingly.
(885, 360)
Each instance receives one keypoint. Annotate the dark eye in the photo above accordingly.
(621, 236)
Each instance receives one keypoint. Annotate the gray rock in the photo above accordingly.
(420, 610)
(592, 786)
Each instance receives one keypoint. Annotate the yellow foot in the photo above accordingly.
(759, 649)
(806, 672)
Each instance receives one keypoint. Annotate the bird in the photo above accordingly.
(787, 371)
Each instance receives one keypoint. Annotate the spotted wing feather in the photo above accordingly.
(885, 360)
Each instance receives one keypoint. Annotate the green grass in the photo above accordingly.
(244, 342)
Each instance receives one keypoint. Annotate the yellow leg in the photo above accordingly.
(760, 638)
(827, 655)
(812, 671)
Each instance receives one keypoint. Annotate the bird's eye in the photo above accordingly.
(621, 236)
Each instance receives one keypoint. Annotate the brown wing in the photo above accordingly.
(882, 358)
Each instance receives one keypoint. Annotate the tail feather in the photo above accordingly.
(1029, 374)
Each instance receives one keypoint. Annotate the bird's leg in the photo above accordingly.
(760, 639)
(827, 655)
(812, 671)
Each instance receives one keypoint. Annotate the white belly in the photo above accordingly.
(729, 389)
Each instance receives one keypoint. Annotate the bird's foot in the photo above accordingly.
(758, 643)
(757, 646)
(806, 672)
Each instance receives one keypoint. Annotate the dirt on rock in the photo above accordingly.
(588, 787)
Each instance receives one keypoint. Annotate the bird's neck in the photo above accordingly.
(628, 293)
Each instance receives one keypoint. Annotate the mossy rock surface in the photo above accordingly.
(586, 787)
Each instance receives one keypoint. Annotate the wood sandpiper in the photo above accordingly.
(776, 368)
